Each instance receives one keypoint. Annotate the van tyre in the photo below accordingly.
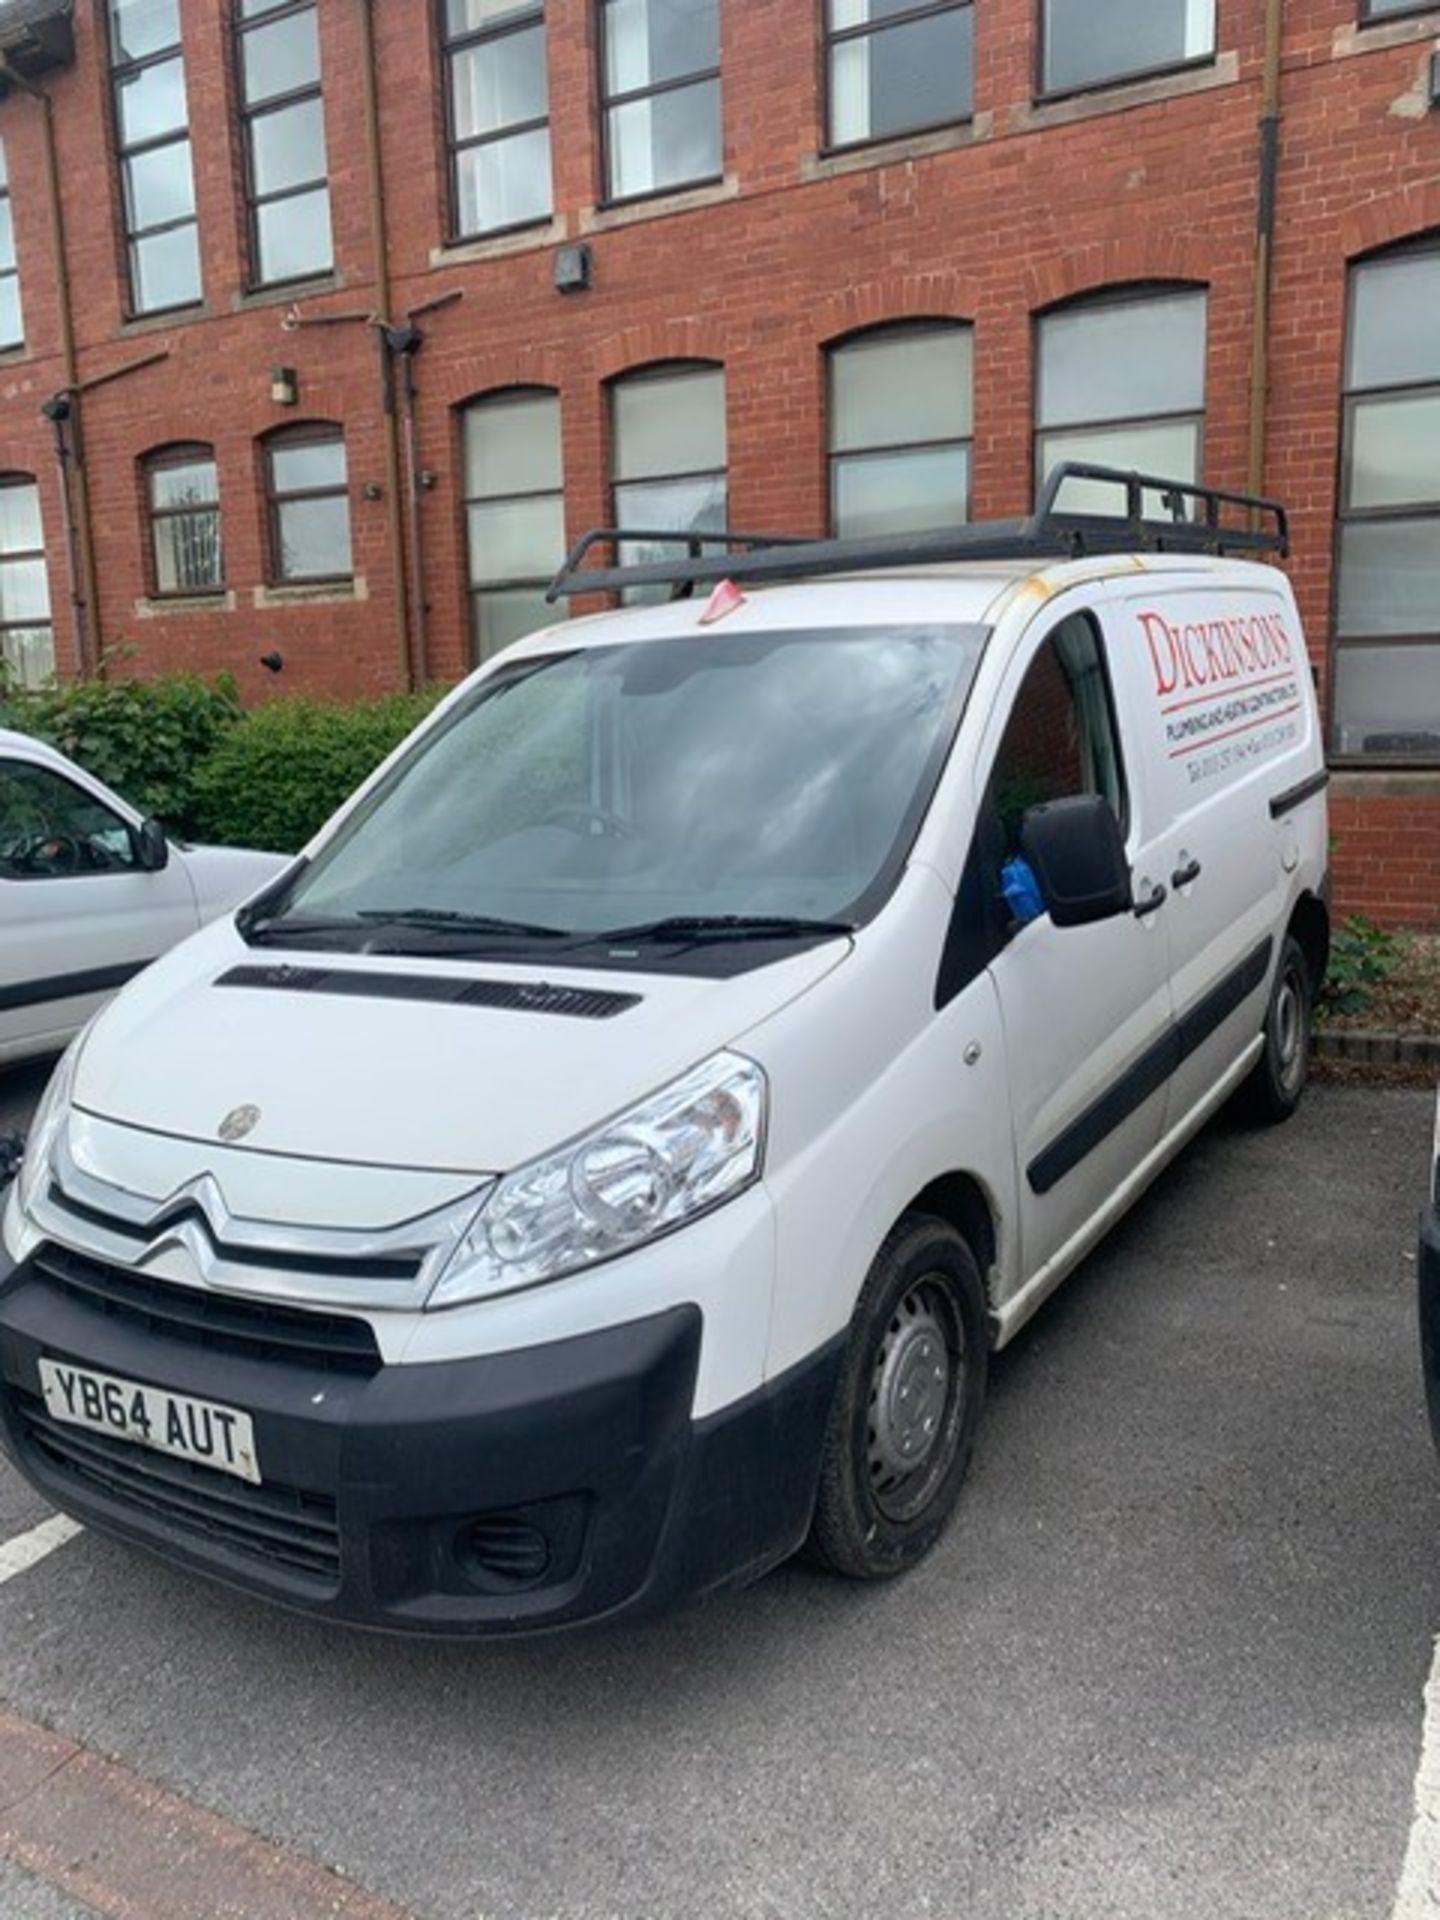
(1274, 1089)
(907, 1405)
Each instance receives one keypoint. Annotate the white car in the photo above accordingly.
(610, 1158)
(91, 892)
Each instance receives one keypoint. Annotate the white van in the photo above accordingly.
(609, 1157)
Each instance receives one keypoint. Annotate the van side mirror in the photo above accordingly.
(152, 849)
(1077, 853)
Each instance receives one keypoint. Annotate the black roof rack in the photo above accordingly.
(1197, 523)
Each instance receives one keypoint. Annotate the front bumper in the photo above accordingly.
(513, 1493)
(1429, 1266)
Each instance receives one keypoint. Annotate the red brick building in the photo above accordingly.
(342, 303)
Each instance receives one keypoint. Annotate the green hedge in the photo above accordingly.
(145, 738)
(183, 748)
(278, 776)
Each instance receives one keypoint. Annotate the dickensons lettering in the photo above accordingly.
(1211, 653)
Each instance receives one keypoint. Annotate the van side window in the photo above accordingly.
(1061, 739)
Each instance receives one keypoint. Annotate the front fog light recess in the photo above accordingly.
(681, 1152)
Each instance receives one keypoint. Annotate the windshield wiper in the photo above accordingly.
(723, 926)
(451, 920)
(371, 924)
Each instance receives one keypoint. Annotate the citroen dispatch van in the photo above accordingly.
(606, 1161)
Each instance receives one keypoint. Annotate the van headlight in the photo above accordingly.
(680, 1153)
(46, 1128)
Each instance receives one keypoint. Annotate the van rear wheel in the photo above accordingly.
(1274, 1089)
(907, 1405)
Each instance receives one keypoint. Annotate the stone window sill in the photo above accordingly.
(658, 206)
(1351, 782)
(158, 606)
(1032, 116)
(317, 593)
(546, 233)
(889, 153)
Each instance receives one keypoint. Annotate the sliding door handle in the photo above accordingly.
(1152, 902)
(1186, 875)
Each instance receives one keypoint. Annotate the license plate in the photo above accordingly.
(173, 1423)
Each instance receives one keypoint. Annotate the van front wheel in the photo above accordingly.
(907, 1405)
(1274, 1088)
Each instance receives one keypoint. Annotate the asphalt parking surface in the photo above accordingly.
(1168, 1662)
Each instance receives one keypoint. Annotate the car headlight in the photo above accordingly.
(46, 1128)
(680, 1153)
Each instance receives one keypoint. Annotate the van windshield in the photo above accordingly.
(758, 786)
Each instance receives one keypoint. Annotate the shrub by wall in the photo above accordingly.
(144, 738)
(275, 778)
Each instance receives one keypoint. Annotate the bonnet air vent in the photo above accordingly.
(516, 996)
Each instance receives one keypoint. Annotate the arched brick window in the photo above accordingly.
(901, 420)
(27, 639)
(1387, 624)
(308, 498)
(668, 453)
(1120, 380)
(182, 498)
(514, 513)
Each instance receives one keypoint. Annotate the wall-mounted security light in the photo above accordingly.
(284, 386)
(573, 269)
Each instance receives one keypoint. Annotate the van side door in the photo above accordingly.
(1223, 715)
(78, 913)
(1086, 1010)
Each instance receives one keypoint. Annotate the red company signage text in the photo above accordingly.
(1215, 653)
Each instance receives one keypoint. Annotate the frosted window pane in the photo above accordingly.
(1390, 577)
(513, 446)
(506, 615)
(901, 492)
(1387, 700)
(517, 539)
(1168, 448)
(889, 392)
(1395, 452)
(1395, 322)
(673, 423)
(20, 519)
(1122, 361)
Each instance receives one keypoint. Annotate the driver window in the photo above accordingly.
(52, 829)
(1061, 739)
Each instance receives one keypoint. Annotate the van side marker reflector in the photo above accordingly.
(514, 996)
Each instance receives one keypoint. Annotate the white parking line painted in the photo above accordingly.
(1419, 1895)
(27, 1549)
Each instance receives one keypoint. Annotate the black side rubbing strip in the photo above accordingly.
(519, 996)
(1111, 1110)
(1296, 796)
(1234, 990)
(69, 986)
(1150, 1072)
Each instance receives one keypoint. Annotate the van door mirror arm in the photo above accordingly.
(152, 849)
